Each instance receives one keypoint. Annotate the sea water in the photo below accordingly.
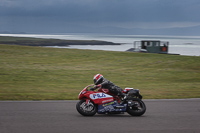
(183, 45)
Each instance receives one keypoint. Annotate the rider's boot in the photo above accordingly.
(123, 99)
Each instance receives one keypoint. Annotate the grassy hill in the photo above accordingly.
(30, 41)
(39, 73)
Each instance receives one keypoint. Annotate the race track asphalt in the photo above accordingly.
(162, 116)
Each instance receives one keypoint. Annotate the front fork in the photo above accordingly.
(87, 101)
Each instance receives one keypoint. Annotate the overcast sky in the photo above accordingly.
(83, 15)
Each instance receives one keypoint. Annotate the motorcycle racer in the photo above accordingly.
(101, 82)
(109, 99)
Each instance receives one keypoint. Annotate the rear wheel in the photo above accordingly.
(86, 109)
(136, 108)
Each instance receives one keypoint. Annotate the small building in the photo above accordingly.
(150, 46)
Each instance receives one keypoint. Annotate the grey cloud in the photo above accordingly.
(91, 13)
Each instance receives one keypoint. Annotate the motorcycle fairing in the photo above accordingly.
(101, 98)
(111, 107)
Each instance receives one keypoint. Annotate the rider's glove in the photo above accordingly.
(92, 89)
(97, 86)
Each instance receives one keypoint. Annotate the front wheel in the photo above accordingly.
(136, 108)
(86, 109)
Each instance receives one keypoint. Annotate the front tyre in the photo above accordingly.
(137, 107)
(86, 109)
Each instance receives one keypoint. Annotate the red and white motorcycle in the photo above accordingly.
(103, 102)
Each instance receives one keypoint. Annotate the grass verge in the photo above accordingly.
(39, 73)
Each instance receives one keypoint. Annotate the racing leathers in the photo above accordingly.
(114, 89)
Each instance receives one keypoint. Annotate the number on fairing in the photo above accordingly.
(99, 95)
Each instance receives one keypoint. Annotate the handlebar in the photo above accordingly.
(92, 89)
(89, 86)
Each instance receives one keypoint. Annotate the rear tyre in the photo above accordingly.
(86, 109)
(137, 109)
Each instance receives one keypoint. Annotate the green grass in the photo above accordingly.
(38, 73)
